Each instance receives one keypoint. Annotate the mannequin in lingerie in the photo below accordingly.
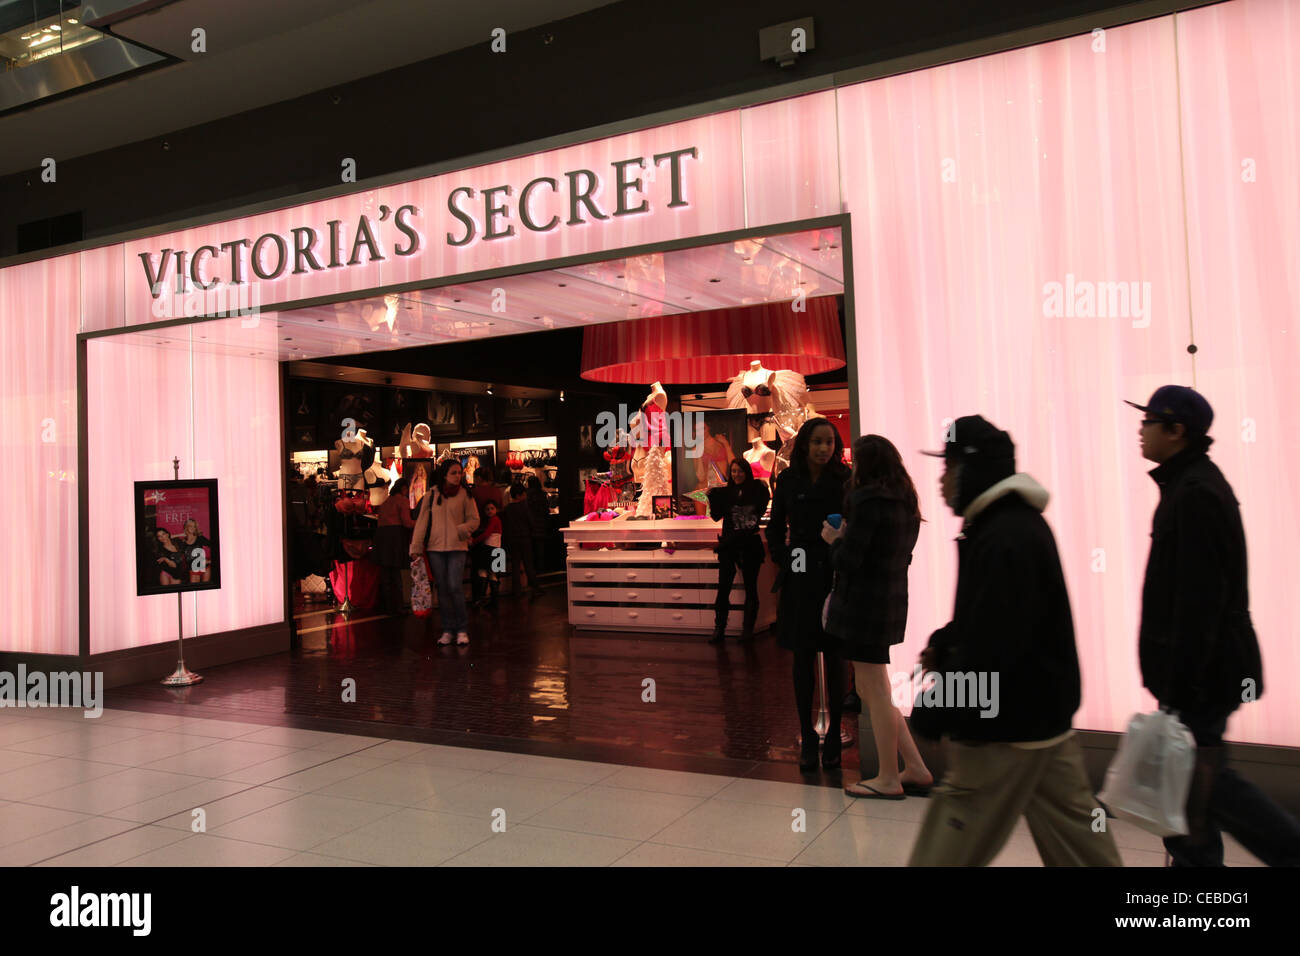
(761, 459)
(652, 426)
(778, 406)
(377, 480)
(351, 465)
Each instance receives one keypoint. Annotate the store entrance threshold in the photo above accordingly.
(527, 684)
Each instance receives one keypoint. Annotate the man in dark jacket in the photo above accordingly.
(1005, 675)
(1196, 644)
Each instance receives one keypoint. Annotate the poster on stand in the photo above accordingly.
(177, 536)
(717, 438)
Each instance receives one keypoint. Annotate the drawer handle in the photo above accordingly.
(631, 595)
(633, 613)
(589, 575)
(591, 614)
(677, 595)
(675, 575)
(677, 617)
(631, 575)
(591, 594)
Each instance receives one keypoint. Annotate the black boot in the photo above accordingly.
(831, 749)
(747, 629)
(719, 631)
(808, 753)
(493, 584)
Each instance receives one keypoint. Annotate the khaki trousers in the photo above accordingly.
(986, 790)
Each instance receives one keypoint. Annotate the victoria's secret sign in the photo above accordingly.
(544, 203)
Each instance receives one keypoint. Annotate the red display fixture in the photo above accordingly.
(715, 346)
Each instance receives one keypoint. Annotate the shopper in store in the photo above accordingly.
(448, 516)
(535, 495)
(739, 504)
(1196, 646)
(806, 492)
(1005, 675)
(485, 489)
(482, 549)
(518, 527)
(393, 546)
(867, 611)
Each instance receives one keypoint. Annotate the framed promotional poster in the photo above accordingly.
(717, 438)
(178, 544)
(662, 506)
(523, 410)
(402, 407)
(443, 413)
(360, 405)
(478, 414)
(417, 472)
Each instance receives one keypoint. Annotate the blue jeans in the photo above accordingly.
(1220, 800)
(449, 578)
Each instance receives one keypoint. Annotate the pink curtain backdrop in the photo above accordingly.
(997, 203)
(220, 416)
(39, 303)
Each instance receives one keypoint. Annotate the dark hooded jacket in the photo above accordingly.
(1011, 618)
(1196, 645)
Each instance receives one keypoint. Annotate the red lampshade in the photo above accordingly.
(700, 347)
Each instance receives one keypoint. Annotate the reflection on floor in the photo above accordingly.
(136, 789)
(528, 682)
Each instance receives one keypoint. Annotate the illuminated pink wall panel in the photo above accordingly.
(973, 186)
(39, 303)
(240, 446)
(138, 401)
(791, 177)
(103, 278)
(221, 417)
(1241, 140)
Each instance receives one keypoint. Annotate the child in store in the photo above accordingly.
(483, 545)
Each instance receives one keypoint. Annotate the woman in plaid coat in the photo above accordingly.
(867, 611)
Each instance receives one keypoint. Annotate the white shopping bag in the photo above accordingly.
(1147, 782)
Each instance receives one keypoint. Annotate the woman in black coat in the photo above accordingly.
(807, 491)
(740, 505)
(870, 553)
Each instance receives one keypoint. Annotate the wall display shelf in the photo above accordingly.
(660, 576)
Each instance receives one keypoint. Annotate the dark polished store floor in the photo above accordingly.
(527, 683)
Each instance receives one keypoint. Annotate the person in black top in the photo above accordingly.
(518, 527)
(809, 490)
(739, 504)
(871, 551)
(1197, 646)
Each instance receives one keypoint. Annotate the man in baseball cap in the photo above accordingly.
(1012, 752)
(1196, 645)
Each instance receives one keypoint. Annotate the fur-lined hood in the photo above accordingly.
(1022, 484)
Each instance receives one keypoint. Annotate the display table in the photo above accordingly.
(641, 585)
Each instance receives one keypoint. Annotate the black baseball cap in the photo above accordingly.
(1178, 404)
(974, 438)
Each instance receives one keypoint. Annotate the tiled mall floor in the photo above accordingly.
(124, 789)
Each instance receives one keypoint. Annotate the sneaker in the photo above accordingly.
(446, 638)
(461, 638)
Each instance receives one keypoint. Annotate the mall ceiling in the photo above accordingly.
(257, 53)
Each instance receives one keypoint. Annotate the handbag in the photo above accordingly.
(1147, 782)
(421, 588)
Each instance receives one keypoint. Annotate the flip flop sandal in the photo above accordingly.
(873, 793)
